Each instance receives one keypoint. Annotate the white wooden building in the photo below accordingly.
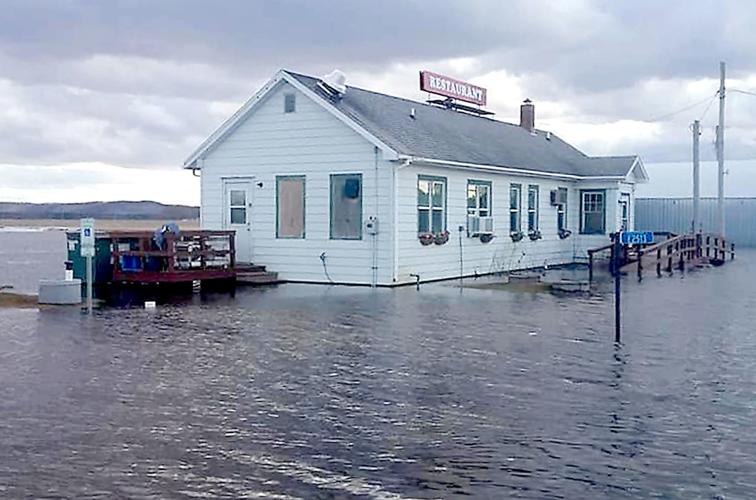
(358, 187)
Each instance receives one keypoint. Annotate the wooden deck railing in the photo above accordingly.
(190, 255)
(679, 251)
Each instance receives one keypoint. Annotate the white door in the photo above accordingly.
(237, 217)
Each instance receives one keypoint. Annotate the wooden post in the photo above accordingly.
(232, 249)
(640, 264)
(658, 262)
(590, 266)
(613, 258)
(732, 251)
(170, 247)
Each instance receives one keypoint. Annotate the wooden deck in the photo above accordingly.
(190, 256)
(678, 252)
(674, 253)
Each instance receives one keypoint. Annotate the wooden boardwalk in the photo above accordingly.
(676, 252)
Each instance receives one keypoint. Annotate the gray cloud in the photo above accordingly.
(140, 83)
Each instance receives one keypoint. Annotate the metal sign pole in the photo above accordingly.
(89, 284)
(617, 309)
(87, 243)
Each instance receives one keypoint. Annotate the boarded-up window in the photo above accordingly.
(290, 206)
(346, 206)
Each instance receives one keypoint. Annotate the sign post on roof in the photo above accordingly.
(449, 87)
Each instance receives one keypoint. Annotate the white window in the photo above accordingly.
(238, 206)
(431, 204)
(562, 209)
(290, 207)
(592, 212)
(532, 208)
(479, 198)
(515, 199)
(624, 211)
(479, 220)
(346, 207)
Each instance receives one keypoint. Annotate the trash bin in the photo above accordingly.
(103, 266)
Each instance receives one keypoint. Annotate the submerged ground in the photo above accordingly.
(313, 391)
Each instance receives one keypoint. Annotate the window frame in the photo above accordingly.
(303, 178)
(562, 209)
(433, 179)
(517, 210)
(290, 98)
(236, 206)
(331, 212)
(583, 193)
(624, 218)
(476, 210)
(534, 210)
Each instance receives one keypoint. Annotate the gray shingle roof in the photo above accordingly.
(444, 134)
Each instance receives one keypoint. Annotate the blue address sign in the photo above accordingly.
(636, 237)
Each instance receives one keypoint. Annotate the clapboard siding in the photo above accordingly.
(501, 254)
(313, 143)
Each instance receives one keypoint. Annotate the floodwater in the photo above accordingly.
(332, 392)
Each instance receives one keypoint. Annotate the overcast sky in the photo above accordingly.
(104, 100)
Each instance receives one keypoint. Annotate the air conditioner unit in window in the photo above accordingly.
(558, 196)
(479, 225)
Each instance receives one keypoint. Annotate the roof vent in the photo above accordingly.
(412, 113)
(548, 136)
(334, 82)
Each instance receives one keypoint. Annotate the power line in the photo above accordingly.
(743, 92)
(686, 108)
(708, 106)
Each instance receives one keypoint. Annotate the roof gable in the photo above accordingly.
(256, 100)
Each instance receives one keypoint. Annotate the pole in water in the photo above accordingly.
(89, 284)
(695, 224)
(720, 154)
(617, 309)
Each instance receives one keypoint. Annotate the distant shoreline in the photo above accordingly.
(108, 224)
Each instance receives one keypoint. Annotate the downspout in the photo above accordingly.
(395, 223)
(374, 282)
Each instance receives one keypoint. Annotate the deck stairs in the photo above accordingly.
(253, 275)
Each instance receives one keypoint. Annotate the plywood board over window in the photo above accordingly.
(290, 207)
(346, 206)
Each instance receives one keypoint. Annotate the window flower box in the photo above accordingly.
(535, 235)
(426, 238)
(441, 238)
(564, 233)
(486, 237)
(516, 235)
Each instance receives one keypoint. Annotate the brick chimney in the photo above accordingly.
(527, 115)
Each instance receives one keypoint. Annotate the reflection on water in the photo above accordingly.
(311, 391)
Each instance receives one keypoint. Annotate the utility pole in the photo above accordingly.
(696, 222)
(720, 153)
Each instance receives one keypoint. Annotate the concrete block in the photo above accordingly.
(60, 292)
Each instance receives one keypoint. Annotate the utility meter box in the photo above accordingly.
(371, 225)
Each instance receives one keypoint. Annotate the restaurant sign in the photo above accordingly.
(449, 87)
